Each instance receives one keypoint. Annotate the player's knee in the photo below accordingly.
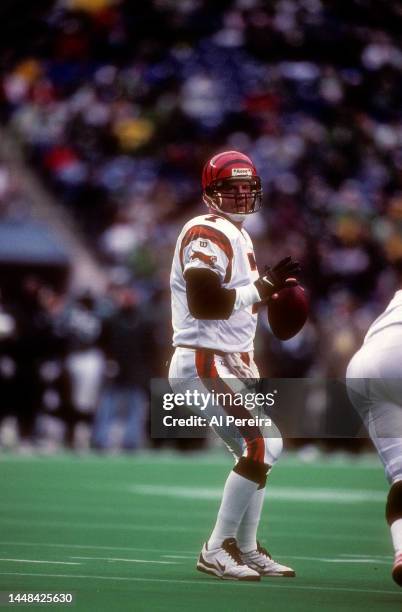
(253, 470)
(273, 449)
(393, 509)
(259, 456)
(265, 450)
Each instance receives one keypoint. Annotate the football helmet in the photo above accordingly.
(219, 178)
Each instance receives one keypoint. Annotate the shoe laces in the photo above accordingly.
(231, 548)
(263, 550)
(255, 554)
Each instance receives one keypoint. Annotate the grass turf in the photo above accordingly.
(123, 533)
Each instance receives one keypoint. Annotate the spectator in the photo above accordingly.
(129, 346)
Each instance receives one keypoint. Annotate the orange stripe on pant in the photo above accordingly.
(206, 370)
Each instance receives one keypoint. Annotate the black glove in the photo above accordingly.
(282, 275)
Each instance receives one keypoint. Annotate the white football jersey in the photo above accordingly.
(391, 316)
(215, 243)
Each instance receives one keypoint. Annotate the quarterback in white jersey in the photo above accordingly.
(213, 242)
(374, 379)
(215, 292)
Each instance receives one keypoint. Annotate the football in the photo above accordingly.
(288, 311)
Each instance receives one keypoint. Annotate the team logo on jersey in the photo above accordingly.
(242, 172)
(208, 259)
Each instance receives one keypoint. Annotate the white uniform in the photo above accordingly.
(215, 354)
(391, 318)
(214, 243)
(374, 379)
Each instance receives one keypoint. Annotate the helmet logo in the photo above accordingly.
(242, 172)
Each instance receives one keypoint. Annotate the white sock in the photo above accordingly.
(247, 532)
(396, 534)
(236, 497)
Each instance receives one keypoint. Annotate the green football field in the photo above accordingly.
(123, 533)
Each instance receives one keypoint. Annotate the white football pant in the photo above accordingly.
(374, 381)
(204, 371)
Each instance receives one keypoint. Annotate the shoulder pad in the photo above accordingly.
(218, 223)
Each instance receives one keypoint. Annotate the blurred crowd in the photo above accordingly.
(67, 361)
(118, 105)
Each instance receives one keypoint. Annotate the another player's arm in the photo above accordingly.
(207, 299)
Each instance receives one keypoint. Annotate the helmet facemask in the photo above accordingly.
(223, 196)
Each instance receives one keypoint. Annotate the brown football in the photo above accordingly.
(288, 311)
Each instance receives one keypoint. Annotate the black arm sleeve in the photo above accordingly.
(206, 298)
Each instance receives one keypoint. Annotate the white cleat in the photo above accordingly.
(261, 561)
(225, 562)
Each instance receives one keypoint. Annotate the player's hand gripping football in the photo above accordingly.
(283, 274)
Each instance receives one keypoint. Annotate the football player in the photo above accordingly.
(375, 387)
(215, 289)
